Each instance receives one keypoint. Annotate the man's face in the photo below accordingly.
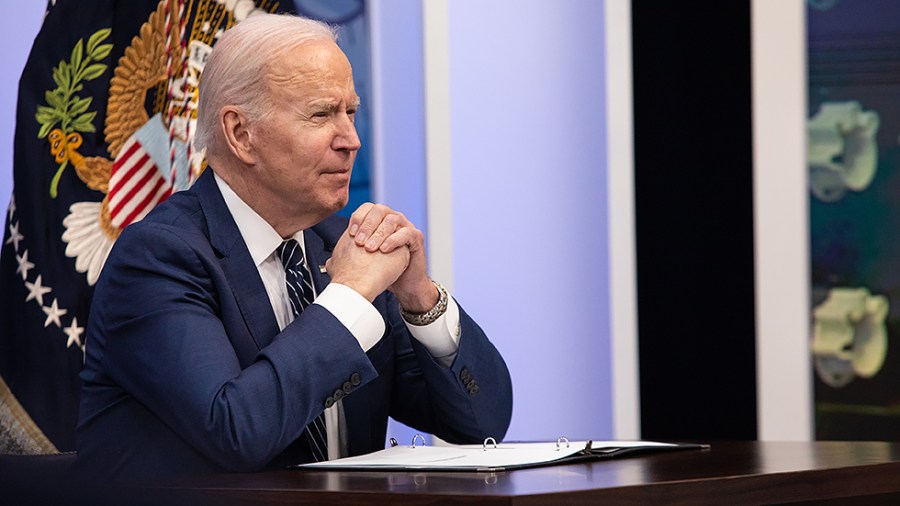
(306, 146)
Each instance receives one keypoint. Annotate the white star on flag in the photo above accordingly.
(24, 265)
(14, 235)
(36, 291)
(53, 313)
(74, 332)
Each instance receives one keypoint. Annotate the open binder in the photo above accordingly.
(491, 456)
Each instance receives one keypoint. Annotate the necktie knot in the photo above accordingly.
(291, 254)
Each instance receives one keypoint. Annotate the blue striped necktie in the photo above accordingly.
(301, 294)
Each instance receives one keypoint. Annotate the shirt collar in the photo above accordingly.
(259, 236)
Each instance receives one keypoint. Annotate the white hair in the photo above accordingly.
(237, 67)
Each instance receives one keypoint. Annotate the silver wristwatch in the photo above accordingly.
(430, 316)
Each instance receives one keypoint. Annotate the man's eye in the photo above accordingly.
(320, 114)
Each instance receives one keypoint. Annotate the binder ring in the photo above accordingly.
(560, 439)
(418, 437)
(484, 445)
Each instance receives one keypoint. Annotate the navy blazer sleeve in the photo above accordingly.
(457, 409)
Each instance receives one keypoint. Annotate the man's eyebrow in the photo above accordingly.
(332, 105)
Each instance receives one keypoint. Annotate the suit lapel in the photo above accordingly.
(238, 266)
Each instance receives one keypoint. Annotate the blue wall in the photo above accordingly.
(398, 107)
(530, 204)
(17, 32)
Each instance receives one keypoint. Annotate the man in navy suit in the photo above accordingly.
(196, 359)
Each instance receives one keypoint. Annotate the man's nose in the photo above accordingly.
(346, 138)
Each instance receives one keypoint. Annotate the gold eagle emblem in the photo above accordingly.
(147, 63)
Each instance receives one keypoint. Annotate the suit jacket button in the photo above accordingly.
(470, 383)
(465, 374)
(347, 387)
(474, 390)
(355, 379)
(338, 394)
(329, 402)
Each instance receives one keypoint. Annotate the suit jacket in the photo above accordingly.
(187, 372)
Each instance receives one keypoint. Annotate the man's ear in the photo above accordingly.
(237, 134)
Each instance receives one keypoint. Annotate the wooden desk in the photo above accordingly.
(729, 473)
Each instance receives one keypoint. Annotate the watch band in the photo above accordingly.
(430, 316)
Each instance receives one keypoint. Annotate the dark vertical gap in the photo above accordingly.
(694, 219)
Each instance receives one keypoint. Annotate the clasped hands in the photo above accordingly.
(382, 250)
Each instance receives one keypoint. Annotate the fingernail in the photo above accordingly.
(353, 229)
(360, 238)
(371, 243)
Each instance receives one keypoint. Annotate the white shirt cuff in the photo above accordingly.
(354, 312)
(440, 337)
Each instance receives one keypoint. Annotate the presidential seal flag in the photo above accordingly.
(106, 111)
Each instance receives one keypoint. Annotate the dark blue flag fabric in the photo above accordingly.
(103, 125)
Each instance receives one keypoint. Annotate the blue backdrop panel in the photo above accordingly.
(530, 203)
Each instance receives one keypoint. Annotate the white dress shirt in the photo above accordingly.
(440, 338)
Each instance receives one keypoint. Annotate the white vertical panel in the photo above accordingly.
(620, 156)
(781, 221)
(436, 33)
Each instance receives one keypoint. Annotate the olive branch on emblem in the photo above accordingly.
(66, 108)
